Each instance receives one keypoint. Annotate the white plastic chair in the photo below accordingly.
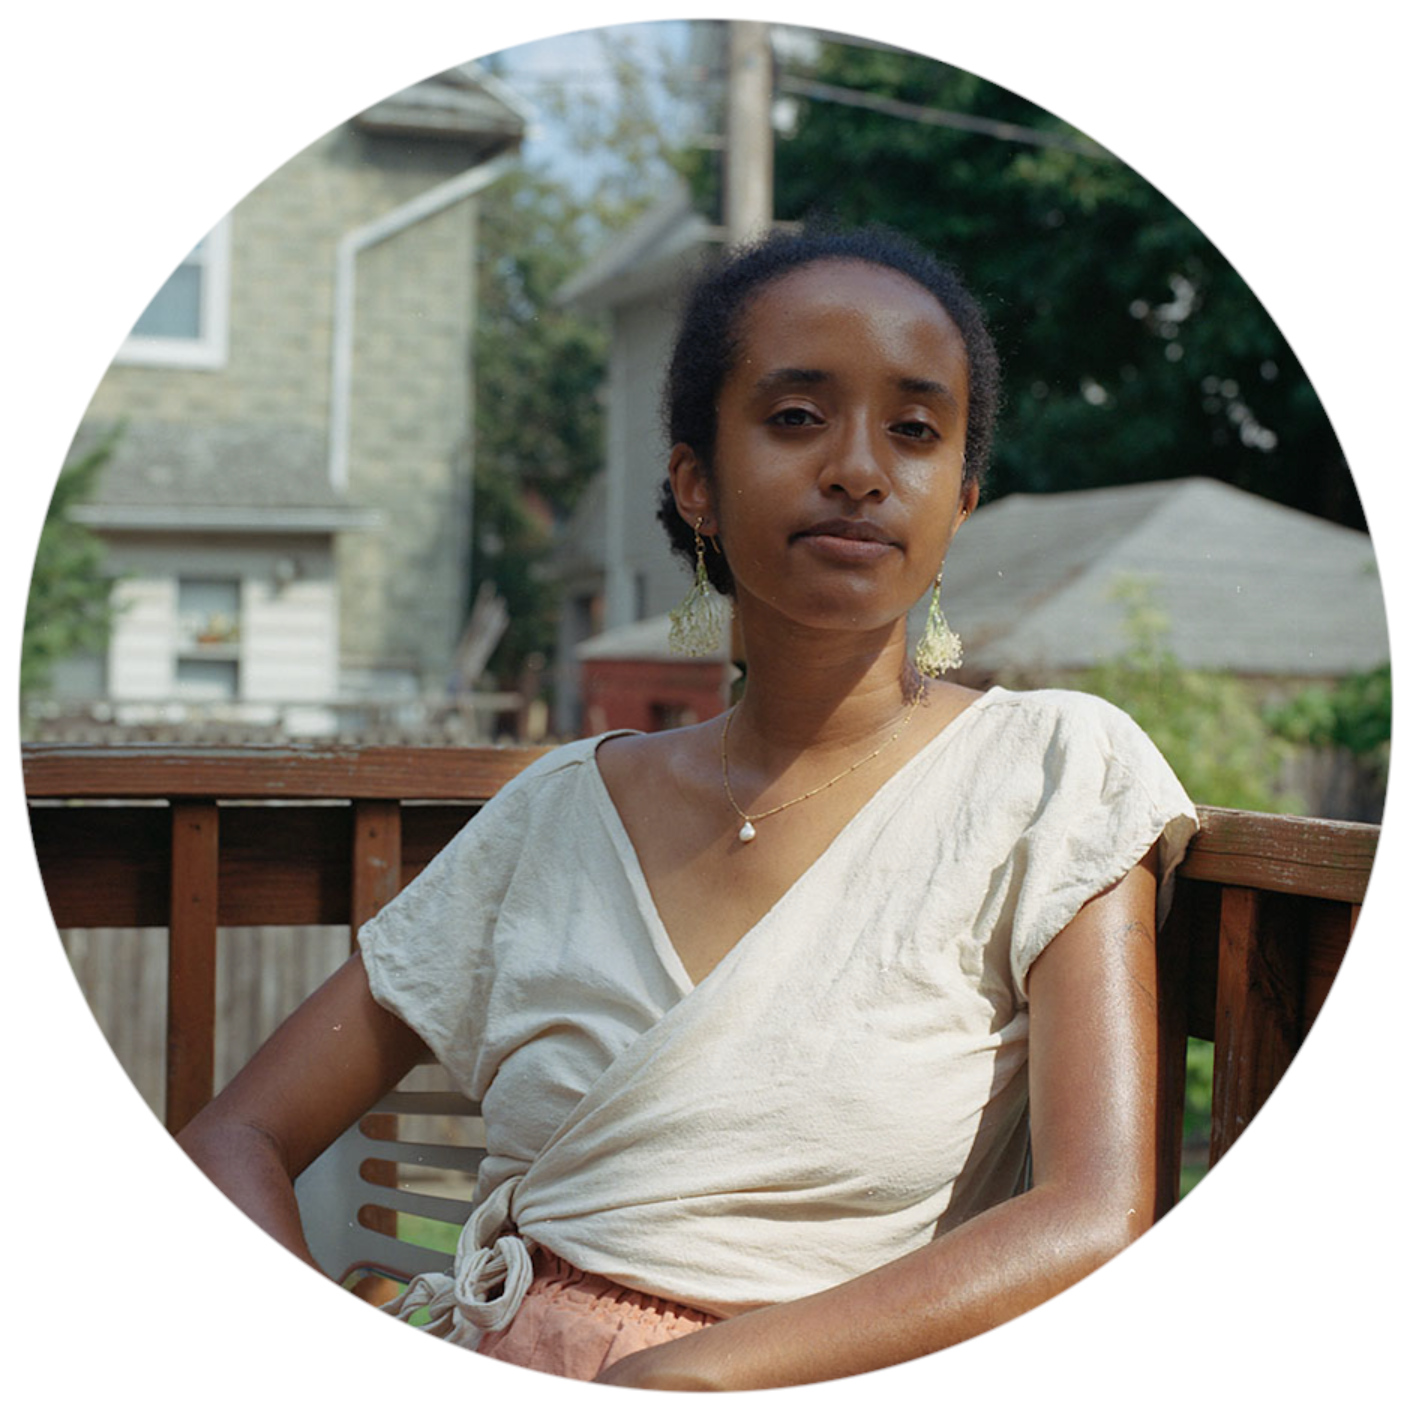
(333, 1192)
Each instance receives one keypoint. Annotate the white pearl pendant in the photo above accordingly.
(747, 832)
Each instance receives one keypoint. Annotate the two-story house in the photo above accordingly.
(286, 508)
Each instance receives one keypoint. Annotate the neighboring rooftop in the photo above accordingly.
(464, 105)
(1249, 586)
(650, 256)
(164, 475)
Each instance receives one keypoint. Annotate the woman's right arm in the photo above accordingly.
(324, 1066)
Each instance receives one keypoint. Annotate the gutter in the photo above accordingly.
(350, 245)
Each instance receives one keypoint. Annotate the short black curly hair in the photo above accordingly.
(707, 342)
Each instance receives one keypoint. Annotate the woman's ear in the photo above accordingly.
(694, 501)
(969, 497)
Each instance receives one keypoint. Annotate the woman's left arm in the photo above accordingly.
(1092, 1112)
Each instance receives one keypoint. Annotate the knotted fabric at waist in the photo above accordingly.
(493, 1270)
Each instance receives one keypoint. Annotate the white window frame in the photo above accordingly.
(210, 349)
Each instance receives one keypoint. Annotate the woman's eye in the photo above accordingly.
(916, 430)
(794, 416)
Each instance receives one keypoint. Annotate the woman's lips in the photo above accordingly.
(844, 541)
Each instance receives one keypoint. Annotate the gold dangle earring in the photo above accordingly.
(698, 624)
(938, 650)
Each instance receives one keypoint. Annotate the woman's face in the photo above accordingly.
(838, 476)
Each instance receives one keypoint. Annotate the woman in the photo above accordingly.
(756, 1009)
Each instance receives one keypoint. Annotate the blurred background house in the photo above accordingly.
(284, 497)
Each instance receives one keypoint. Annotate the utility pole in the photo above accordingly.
(749, 132)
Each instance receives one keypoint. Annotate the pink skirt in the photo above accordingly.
(575, 1324)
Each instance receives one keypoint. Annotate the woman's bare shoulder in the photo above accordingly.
(668, 754)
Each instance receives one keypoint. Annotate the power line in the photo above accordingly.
(937, 117)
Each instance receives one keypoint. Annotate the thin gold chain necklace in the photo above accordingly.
(747, 832)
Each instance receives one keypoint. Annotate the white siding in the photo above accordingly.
(142, 648)
(289, 641)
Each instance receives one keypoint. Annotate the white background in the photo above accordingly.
(131, 128)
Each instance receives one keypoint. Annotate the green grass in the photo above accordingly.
(427, 1232)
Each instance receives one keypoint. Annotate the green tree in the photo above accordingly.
(1207, 724)
(1132, 349)
(538, 421)
(1354, 714)
(68, 610)
(540, 366)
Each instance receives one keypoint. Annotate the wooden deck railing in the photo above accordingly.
(197, 838)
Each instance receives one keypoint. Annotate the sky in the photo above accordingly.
(574, 62)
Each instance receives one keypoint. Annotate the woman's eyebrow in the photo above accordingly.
(920, 386)
(791, 376)
(812, 376)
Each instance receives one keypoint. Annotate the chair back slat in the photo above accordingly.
(463, 1159)
(352, 1198)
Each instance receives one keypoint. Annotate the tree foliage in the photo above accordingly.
(1352, 717)
(1354, 714)
(1133, 350)
(538, 421)
(539, 366)
(68, 610)
(1207, 724)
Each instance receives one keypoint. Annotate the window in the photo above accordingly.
(186, 323)
(208, 638)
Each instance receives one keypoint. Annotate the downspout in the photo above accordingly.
(350, 245)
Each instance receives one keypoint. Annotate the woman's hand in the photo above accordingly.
(693, 1362)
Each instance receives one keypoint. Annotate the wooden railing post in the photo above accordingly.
(377, 877)
(191, 958)
(377, 858)
(1257, 1007)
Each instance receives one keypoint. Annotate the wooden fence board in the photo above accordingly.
(425, 830)
(286, 865)
(104, 866)
(1329, 927)
(110, 867)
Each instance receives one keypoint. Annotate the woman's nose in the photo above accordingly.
(857, 468)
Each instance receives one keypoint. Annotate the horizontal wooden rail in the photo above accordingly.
(1296, 855)
(269, 772)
